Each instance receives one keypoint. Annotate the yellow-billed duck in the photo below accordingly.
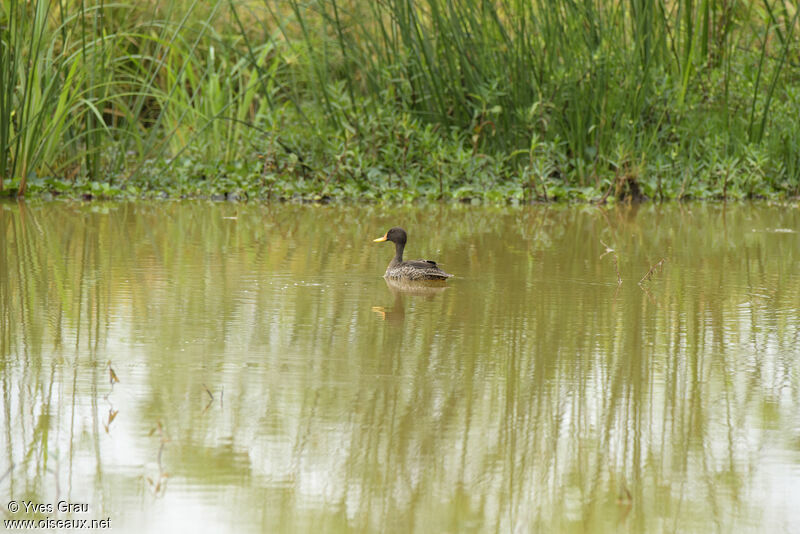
(409, 270)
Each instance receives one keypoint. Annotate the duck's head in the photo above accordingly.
(395, 235)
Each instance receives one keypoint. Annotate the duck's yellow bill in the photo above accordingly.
(380, 239)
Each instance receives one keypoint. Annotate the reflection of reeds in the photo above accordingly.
(484, 387)
(7, 473)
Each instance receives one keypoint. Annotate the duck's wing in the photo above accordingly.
(426, 269)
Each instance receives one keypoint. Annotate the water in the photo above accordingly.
(270, 380)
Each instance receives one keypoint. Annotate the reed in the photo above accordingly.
(91, 85)
(552, 98)
(600, 77)
(36, 108)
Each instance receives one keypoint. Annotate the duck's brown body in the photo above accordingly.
(414, 270)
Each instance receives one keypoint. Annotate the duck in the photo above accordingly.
(413, 270)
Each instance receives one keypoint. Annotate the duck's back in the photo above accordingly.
(416, 270)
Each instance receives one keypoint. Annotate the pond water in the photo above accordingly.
(215, 367)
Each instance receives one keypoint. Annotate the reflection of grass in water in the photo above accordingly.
(489, 402)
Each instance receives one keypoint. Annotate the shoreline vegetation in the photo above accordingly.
(468, 100)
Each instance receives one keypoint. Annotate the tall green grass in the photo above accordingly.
(41, 90)
(612, 95)
(596, 78)
(95, 90)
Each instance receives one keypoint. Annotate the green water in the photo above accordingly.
(271, 381)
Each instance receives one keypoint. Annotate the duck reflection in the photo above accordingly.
(401, 289)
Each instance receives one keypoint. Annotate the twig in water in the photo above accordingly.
(112, 376)
(112, 414)
(615, 258)
(210, 402)
(656, 268)
(625, 496)
(649, 295)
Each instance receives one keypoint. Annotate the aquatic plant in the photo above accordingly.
(469, 100)
(618, 87)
